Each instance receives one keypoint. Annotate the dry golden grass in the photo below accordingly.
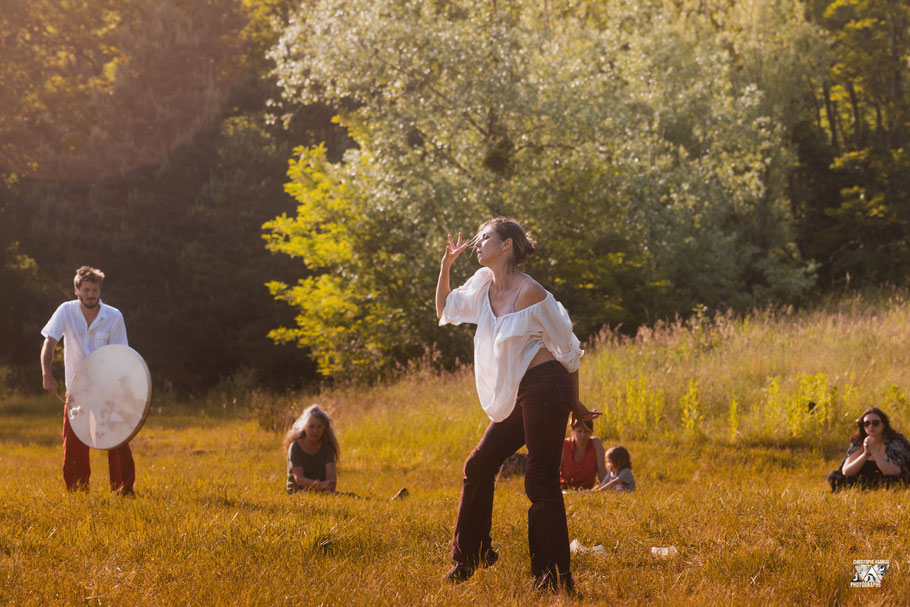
(749, 512)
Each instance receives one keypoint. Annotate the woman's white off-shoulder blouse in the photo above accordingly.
(504, 346)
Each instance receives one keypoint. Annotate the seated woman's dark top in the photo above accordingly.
(313, 465)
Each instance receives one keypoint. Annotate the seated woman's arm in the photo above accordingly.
(884, 463)
(607, 485)
(314, 484)
(330, 478)
(870, 451)
(854, 462)
(599, 458)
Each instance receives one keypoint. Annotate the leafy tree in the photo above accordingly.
(93, 89)
(653, 175)
(181, 246)
(862, 230)
(23, 288)
(179, 232)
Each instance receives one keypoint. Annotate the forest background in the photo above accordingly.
(268, 184)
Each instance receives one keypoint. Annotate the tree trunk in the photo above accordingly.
(857, 118)
(829, 113)
(818, 109)
(840, 127)
(898, 29)
(879, 128)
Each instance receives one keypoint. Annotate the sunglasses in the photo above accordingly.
(871, 422)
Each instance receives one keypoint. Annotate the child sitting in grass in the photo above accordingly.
(619, 471)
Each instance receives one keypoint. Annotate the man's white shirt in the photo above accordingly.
(80, 339)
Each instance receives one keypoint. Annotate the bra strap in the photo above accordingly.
(522, 286)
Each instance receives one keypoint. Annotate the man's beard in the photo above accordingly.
(90, 306)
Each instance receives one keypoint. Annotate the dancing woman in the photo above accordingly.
(526, 369)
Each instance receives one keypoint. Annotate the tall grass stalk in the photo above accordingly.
(734, 420)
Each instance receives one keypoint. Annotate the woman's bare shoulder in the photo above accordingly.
(531, 293)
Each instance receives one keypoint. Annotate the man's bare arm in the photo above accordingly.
(47, 362)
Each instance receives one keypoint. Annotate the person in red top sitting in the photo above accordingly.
(582, 458)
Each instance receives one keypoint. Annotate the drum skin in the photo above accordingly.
(109, 397)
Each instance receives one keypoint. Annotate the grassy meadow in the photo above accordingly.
(729, 457)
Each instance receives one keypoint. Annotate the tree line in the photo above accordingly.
(668, 154)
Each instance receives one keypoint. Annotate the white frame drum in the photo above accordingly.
(109, 397)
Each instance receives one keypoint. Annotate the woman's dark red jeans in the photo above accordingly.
(542, 409)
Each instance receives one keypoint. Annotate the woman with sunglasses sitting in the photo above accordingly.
(878, 455)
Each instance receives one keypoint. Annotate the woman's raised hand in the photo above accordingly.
(454, 249)
(868, 446)
(580, 413)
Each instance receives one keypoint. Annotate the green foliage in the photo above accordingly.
(191, 174)
(181, 247)
(691, 416)
(860, 229)
(354, 313)
(895, 398)
(20, 277)
(667, 154)
(652, 176)
(774, 407)
(23, 286)
(734, 419)
(93, 89)
(844, 356)
(809, 409)
(636, 411)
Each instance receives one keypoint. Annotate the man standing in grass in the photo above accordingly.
(87, 324)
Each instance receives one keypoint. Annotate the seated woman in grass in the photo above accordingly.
(312, 451)
(878, 455)
(619, 476)
(582, 464)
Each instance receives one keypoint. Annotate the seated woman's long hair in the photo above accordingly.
(298, 429)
